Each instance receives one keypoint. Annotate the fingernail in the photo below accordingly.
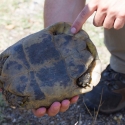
(73, 30)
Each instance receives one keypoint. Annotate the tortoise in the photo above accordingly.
(50, 65)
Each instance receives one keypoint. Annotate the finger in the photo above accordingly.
(108, 22)
(54, 109)
(74, 99)
(87, 11)
(119, 23)
(39, 112)
(64, 105)
(99, 18)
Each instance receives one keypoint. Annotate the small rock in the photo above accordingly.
(52, 123)
(14, 120)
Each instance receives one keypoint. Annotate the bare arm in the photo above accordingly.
(61, 10)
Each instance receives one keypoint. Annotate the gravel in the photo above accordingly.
(77, 114)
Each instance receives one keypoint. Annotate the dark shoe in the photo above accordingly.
(109, 94)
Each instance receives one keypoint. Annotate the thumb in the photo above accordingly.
(87, 11)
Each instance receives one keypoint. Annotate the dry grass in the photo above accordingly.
(18, 19)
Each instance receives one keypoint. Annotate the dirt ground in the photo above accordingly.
(23, 17)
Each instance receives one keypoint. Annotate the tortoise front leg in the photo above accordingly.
(84, 80)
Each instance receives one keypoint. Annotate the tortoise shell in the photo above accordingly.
(47, 66)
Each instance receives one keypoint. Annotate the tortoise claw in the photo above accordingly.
(84, 80)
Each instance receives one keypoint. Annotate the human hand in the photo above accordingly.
(55, 107)
(109, 14)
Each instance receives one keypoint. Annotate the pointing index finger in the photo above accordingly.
(87, 11)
